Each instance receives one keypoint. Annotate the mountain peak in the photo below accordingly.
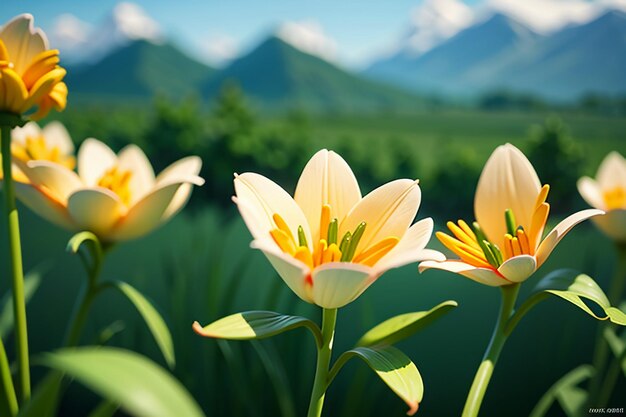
(308, 36)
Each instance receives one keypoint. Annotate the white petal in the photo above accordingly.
(508, 181)
(56, 134)
(23, 41)
(147, 214)
(326, 179)
(482, 275)
(389, 210)
(94, 159)
(411, 248)
(291, 270)
(264, 198)
(186, 167)
(29, 130)
(95, 210)
(561, 229)
(60, 181)
(613, 224)
(518, 268)
(337, 284)
(612, 172)
(45, 206)
(133, 159)
(591, 193)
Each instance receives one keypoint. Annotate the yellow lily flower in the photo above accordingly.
(608, 192)
(117, 197)
(327, 243)
(505, 246)
(29, 72)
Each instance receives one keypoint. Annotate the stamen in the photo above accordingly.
(461, 234)
(543, 194)
(523, 241)
(331, 254)
(466, 256)
(282, 225)
(320, 248)
(354, 240)
(374, 253)
(508, 248)
(517, 250)
(451, 242)
(509, 218)
(333, 228)
(343, 246)
(303, 254)
(302, 237)
(538, 222)
(284, 242)
(324, 221)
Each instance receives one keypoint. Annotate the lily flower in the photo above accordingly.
(608, 192)
(117, 197)
(29, 72)
(327, 243)
(505, 245)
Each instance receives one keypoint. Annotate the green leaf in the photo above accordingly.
(617, 345)
(393, 367)
(31, 283)
(105, 409)
(78, 239)
(566, 392)
(153, 319)
(573, 287)
(400, 327)
(43, 403)
(256, 325)
(138, 385)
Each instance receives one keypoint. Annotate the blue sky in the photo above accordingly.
(359, 30)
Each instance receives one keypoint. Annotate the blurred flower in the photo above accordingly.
(327, 243)
(29, 72)
(117, 197)
(608, 192)
(505, 245)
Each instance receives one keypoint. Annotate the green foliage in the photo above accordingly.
(566, 392)
(558, 160)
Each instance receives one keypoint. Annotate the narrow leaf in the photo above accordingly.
(255, 325)
(31, 283)
(617, 345)
(43, 403)
(153, 319)
(566, 392)
(138, 385)
(79, 238)
(393, 367)
(400, 327)
(105, 409)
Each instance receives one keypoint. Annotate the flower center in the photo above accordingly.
(615, 198)
(36, 149)
(329, 248)
(118, 181)
(473, 247)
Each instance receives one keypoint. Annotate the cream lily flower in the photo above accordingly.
(117, 197)
(29, 72)
(505, 244)
(327, 243)
(608, 192)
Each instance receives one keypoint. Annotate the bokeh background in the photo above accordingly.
(419, 89)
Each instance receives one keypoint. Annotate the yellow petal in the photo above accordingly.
(15, 93)
(43, 87)
(508, 181)
(518, 268)
(337, 284)
(94, 159)
(612, 172)
(43, 205)
(142, 180)
(291, 270)
(411, 248)
(58, 180)
(613, 224)
(264, 198)
(561, 229)
(326, 179)
(481, 275)
(389, 210)
(23, 41)
(95, 210)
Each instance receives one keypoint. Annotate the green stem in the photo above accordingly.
(6, 381)
(17, 274)
(597, 393)
(498, 338)
(329, 318)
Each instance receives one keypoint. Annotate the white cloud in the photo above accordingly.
(219, 48)
(133, 22)
(69, 32)
(550, 15)
(434, 21)
(309, 37)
